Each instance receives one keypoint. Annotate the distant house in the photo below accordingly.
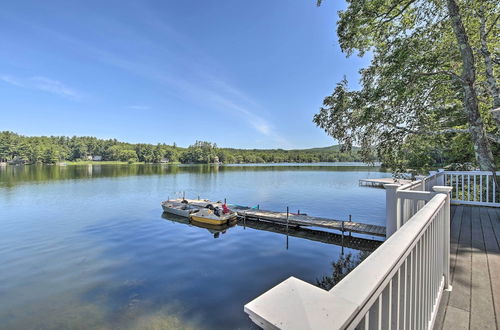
(164, 160)
(97, 158)
(17, 161)
(216, 160)
(88, 158)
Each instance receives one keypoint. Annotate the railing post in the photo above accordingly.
(440, 177)
(421, 178)
(391, 209)
(446, 238)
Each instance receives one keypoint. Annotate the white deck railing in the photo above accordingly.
(398, 286)
(472, 187)
(408, 272)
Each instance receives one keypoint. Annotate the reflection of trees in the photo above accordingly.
(340, 268)
(12, 175)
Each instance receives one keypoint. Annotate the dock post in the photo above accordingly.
(350, 219)
(183, 195)
(287, 212)
(225, 201)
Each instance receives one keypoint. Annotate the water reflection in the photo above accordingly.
(89, 249)
(12, 175)
(363, 243)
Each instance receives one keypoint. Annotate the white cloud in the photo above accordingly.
(43, 84)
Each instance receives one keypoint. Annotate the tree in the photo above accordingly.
(341, 268)
(51, 155)
(422, 80)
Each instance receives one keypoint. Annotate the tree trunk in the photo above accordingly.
(482, 148)
(490, 76)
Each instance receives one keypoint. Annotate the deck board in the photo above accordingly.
(474, 300)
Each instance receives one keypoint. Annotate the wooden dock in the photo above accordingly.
(298, 219)
(379, 183)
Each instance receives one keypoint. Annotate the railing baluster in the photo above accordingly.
(480, 187)
(487, 188)
(494, 192)
(426, 277)
(397, 316)
(379, 311)
(474, 199)
(388, 307)
(410, 285)
(468, 187)
(463, 184)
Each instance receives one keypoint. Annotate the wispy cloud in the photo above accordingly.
(197, 83)
(43, 84)
(139, 107)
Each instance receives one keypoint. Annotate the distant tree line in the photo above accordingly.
(17, 148)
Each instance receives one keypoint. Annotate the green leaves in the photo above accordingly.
(412, 88)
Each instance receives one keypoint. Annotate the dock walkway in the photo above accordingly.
(379, 183)
(300, 219)
(474, 301)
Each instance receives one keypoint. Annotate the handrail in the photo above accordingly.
(471, 172)
(382, 265)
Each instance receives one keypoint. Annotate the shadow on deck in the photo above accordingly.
(474, 302)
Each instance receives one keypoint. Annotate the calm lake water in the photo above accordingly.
(88, 247)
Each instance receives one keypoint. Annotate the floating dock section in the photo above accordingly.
(298, 220)
(379, 183)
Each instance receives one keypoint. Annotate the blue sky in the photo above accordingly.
(247, 74)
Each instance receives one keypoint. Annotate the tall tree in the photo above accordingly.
(422, 79)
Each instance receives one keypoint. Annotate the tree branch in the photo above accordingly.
(492, 25)
(442, 72)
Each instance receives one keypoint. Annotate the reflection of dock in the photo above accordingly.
(290, 219)
(379, 183)
(315, 235)
(346, 241)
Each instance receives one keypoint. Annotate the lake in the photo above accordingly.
(88, 246)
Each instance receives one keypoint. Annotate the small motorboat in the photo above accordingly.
(180, 209)
(213, 216)
(215, 230)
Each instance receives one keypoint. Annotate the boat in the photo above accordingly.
(215, 230)
(209, 216)
(180, 209)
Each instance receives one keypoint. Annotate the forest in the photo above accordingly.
(15, 148)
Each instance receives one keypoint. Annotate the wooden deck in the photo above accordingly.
(474, 302)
